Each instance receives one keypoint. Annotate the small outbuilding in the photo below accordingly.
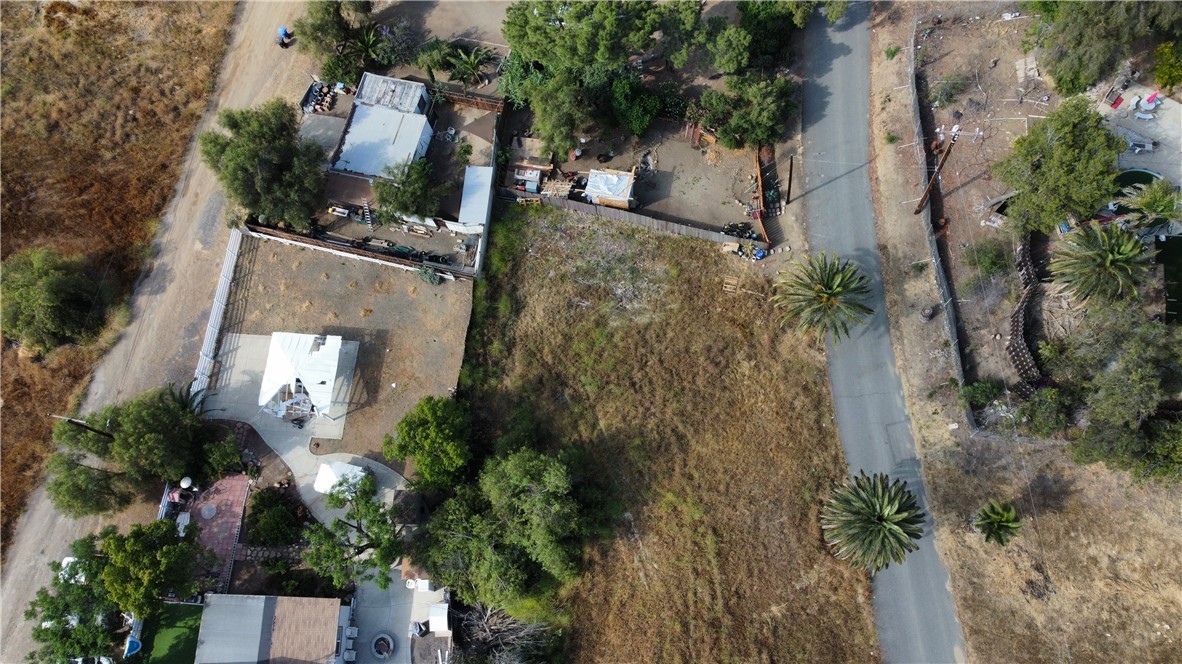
(611, 188)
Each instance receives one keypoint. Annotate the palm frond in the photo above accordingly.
(872, 522)
(823, 293)
(1102, 263)
(998, 522)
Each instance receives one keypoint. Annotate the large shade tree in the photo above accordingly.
(74, 614)
(872, 522)
(409, 190)
(150, 562)
(360, 546)
(47, 300)
(1065, 166)
(435, 434)
(1104, 263)
(823, 293)
(264, 164)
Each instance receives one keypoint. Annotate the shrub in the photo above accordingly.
(892, 138)
(435, 434)
(982, 393)
(988, 256)
(221, 457)
(344, 67)
(272, 519)
(47, 300)
(891, 52)
(1167, 68)
(1044, 414)
(634, 106)
(946, 91)
(673, 103)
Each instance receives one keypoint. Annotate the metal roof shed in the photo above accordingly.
(476, 202)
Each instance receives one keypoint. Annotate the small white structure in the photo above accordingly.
(300, 374)
(332, 472)
(476, 203)
(611, 188)
(437, 620)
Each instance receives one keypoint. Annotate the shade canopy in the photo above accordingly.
(332, 472)
(299, 365)
(438, 618)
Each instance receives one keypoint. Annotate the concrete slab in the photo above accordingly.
(1165, 128)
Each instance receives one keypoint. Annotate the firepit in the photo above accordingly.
(383, 646)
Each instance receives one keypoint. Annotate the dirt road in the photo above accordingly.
(171, 304)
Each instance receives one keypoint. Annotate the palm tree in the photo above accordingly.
(823, 293)
(872, 522)
(1152, 204)
(434, 55)
(998, 522)
(1105, 263)
(466, 66)
(366, 44)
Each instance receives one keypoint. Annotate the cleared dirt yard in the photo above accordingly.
(411, 333)
(1093, 576)
(710, 425)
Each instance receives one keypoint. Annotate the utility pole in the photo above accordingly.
(82, 425)
(923, 200)
(788, 198)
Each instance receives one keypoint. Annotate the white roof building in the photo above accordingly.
(300, 375)
(386, 126)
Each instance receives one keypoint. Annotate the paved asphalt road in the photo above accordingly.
(913, 605)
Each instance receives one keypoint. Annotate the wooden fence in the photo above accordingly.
(685, 229)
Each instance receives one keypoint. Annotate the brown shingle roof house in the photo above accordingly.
(278, 630)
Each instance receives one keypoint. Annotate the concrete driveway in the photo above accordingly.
(913, 606)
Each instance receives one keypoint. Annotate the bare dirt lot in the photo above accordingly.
(710, 424)
(1080, 583)
(411, 333)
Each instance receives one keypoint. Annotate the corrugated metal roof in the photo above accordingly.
(477, 199)
(232, 629)
(392, 93)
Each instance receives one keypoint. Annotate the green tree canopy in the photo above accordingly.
(467, 64)
(768, 22)
(434, 56)
(47, 300)
(156, 435)
(464, 550)
(1084, 41)
(1065, 166)
(731, 50)
(74, 614)
(530, 498)
(264, 165)
(1151, 204)
(823, 293)
(272, 519)
(409, 190)
(635, 107)
(872, 522)
(436, 435)
(1105, 263)
(360, 546)
(321, 29)
(79, 486)
(149, 562)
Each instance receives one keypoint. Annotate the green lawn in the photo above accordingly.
(171, 638)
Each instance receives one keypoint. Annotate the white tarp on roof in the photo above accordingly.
(309, 358)
(437, 622)
(476, 203)
(332, 472)
(377, 137)
(609, 185)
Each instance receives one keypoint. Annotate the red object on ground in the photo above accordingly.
(1153, 96)
(1119, 100)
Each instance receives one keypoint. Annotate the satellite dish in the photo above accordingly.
(186, 482)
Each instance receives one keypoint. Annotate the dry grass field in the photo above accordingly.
(100, 101)
(1093, 576)
(709, 424)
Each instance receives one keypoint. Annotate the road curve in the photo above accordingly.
(913, 606)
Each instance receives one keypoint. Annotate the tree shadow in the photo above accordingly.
(414, 13)
(816, 40)
(1050, 490)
